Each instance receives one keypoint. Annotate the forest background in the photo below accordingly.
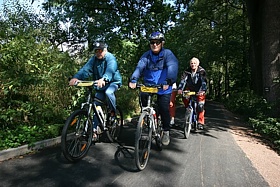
(236, 41)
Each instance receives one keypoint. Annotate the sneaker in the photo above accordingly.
(200, 126)
(171, 124)
(94, 135)
(165, 138)
(172, 121)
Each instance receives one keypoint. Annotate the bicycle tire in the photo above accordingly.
(195, 126)
(158, 134)
(115, 127)
(187, 123)
(143, 139)
(76, 136)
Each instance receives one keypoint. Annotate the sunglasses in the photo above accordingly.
(98, 50)
(155, 42)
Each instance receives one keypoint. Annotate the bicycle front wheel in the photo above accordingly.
(115, 126)
(76, 137)
(188, 123)
(143, 139)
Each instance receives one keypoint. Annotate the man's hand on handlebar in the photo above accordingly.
(165, 87)
(132, 85)
(201, 93)
(101, 83)
(73, 81)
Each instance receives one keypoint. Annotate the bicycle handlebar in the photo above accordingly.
(188, 93)
(149, 88)
(85, 83)
(149, 85)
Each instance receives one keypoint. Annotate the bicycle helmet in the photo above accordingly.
(157, 36)
(99, 45)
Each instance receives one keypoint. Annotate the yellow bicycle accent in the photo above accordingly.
(85, 83)
(148, 89)
(187, 94)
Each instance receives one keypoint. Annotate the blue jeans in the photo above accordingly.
(103, 95)
(163, 102)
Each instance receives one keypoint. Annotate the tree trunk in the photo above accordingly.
(254, 9)
(264, 19)
(271, 49)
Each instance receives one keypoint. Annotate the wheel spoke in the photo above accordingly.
(143, 141)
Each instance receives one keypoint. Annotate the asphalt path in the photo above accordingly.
(207, 158)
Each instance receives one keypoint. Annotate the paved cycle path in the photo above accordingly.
(208, 158)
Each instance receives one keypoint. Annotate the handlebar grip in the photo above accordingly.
(189, 93)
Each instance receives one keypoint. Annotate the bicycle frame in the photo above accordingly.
(90, 102)
(190, 114)
(193, 105)
(77, 133)
(150, 110)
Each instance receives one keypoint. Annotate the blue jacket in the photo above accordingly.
(106, 68)
(157, 69)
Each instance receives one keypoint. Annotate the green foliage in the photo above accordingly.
(22, 134)
(247, 103)
(127, 99)
(257, 111)
(268, 127)
(217, 34)
(33, 80)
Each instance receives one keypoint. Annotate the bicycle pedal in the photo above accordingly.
(144, 138)
(157, 136)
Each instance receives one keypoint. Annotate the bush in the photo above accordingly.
(23, 134)
(256, 110)
(269, 128)
(247, 104)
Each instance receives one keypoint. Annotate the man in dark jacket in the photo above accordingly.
(194, 79)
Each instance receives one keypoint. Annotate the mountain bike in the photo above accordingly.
(77, 133)
(190, 114)
(148, 128)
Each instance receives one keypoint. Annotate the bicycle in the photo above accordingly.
(149, 127)
(77, 133)
(190, 114)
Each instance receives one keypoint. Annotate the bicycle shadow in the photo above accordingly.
(124, 155)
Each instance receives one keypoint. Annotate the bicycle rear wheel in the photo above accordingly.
(188, 123)
(143, 139)
(76, 137)
(115, 125)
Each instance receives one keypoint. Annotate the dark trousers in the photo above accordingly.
(163, 108)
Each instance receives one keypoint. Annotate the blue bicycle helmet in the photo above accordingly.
(157, 36)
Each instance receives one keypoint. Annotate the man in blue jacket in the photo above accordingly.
(102, 67)
(158, 66)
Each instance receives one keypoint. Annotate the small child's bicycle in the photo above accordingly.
(77, 133)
